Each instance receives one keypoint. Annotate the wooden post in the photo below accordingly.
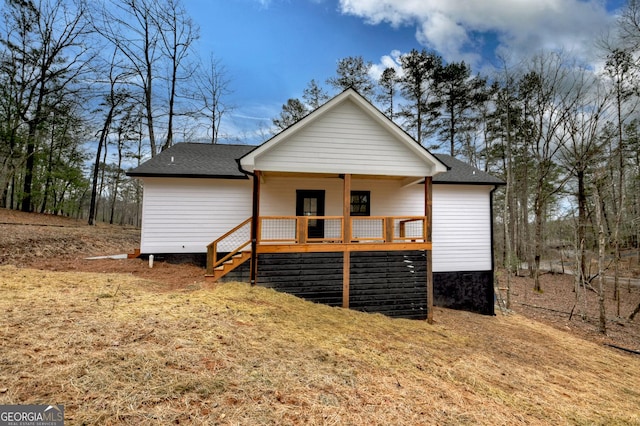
(346, 208)
(303, 229)
(210, 259)
(388, 229)
(255, 224)
(346, 267)
(428, 208)
(346, 255)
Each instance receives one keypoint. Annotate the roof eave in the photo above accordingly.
(469, 183)
(184, 175)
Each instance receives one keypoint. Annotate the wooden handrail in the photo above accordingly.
(298, 232)
(212, 249)
(422, 219)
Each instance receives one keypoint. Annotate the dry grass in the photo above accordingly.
(115, 349)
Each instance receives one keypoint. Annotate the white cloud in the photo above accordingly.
(387, 61)
(523, 26)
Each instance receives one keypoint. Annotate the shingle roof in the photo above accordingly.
(198, 160)
(195, 160)
(461, 172)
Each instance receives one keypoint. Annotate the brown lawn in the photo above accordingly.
(162, 347)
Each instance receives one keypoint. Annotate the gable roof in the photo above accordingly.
(345, 135)
(463, 173)
(199, 160)
(195, 160)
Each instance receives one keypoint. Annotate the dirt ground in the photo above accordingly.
(61, 244)
(557, 301)
(57, 243)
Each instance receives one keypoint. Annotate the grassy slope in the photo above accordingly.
(29, 237)
(116, 349)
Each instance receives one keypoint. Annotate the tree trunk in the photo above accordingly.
(538, 242)
(29, 168)
(96, 167)
(47, 184)
(602, 324)
(116, 183)
(582, 225)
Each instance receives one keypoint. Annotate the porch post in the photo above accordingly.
(428, 209)
(346, 229)
(255, 223)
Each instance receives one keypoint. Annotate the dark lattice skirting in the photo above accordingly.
(390, 283)
(312, 276)
(466, 291)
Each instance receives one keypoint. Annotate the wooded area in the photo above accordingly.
(88, 88)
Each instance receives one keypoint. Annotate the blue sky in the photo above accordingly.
(271, 49)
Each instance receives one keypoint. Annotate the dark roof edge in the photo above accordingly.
(195, 176)
(435, 182)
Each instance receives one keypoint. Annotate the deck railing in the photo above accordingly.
(233, 242)
(330, 229)
(277, 231)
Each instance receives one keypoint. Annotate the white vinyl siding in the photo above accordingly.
(344, 140)
(461, 232)
(461, 228)
(184, 215)
(388, 198)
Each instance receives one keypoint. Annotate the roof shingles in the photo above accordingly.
(195, 160)
(461, 172)
(198, 160)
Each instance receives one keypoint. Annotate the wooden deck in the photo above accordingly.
(290, 234)
(304, 235)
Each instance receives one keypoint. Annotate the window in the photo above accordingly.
(360, 203)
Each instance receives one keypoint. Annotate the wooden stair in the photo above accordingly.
(228, 266)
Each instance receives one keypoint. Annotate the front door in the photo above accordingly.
(311, 203)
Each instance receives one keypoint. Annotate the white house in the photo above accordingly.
(342, 208)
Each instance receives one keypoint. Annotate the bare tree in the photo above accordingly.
(549, 92)
(125, 132)
(132, 27)
(602, 323)
(505, 100)
(629, 25)
(113, 100)
(46, 44)
(620, 69)
(213, 85)
(13, 91)
(177, 32)
(582, 150)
